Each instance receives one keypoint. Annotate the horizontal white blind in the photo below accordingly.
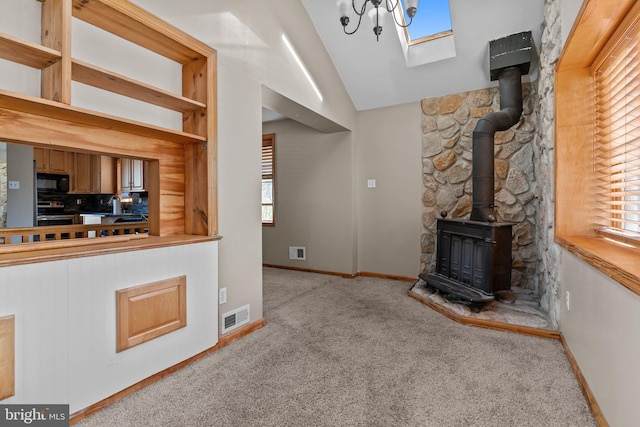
(617, 135)
(267, 157)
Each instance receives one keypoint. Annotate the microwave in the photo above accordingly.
(52, 183)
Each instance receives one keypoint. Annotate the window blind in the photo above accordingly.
(267, 158)
(617, 135)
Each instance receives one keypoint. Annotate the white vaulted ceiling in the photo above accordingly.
(376, 74)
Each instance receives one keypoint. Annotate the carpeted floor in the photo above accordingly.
(360, 352)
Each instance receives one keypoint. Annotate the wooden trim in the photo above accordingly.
(576, 204)
(584, 386)
(102, 246)
(386, 276)
(344, 275)
(55, 33)
(613, 259)
(309, 270)
(66, 243)
(7, 357)
(149, 311)
(223, 342)
(97, 77)
(487, 324)
(593, 27)
(27, 53)
(135, 24)
(52, 109)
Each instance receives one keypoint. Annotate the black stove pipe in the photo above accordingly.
(510, 86)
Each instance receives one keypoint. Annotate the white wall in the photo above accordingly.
(602, 329)
(388, 144)
(313, 205)
(65, 322)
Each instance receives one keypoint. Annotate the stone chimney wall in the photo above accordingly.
(447, 128)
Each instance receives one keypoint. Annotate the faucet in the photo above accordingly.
(115, 202)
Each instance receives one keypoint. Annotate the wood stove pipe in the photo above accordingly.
(483, 138)
(509, 58)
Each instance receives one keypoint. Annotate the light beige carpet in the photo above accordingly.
(360, 352)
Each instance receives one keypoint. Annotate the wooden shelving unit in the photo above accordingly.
(27, 53)
(44, 107)
(93, 76)
(186, 184)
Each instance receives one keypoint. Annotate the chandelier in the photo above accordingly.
(376, 14)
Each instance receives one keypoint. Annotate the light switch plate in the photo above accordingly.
(14, 185)
(371, 183)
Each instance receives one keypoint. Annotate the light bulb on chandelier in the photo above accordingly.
(376, 14)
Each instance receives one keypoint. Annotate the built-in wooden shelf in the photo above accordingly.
(57, 110)
(135, 24)
(26, 52)
(97, 77)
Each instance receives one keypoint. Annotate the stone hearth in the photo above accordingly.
(518, 306)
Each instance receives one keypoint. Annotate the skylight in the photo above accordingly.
(432, 19)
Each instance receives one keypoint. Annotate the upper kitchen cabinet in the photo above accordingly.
(52, 161)
(132, 175)
(93, 174)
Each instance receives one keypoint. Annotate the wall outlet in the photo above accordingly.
(568, 301)
(14, 185)
(222, 296)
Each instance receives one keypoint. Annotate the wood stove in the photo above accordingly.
(473, 257)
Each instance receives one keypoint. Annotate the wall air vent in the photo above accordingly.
(297, 252)
(236, 318)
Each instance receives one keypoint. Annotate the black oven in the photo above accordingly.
(51, 212)
(44, 220)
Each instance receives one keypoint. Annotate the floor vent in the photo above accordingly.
(297, 252)
(236, 318)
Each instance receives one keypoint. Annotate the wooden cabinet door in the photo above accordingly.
(102, 175)
(58, 162)
(82, 173)
(132, 175)
(137, 175)
(41, 156)
(125, 175)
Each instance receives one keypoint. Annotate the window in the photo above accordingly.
(268, 178)
(433, 20)
(617, 136)
(596, 148)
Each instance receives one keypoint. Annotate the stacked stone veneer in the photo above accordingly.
(447, 127)
(549, 252)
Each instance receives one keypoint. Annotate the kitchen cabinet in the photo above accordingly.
(132, 175)
(93, 174)
(52, 161)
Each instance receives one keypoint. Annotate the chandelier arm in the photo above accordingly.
(364, 6)
(401, 25)
(390, 6)
(358, 26)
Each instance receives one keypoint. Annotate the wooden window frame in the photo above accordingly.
(576, 205)
(270, 140)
